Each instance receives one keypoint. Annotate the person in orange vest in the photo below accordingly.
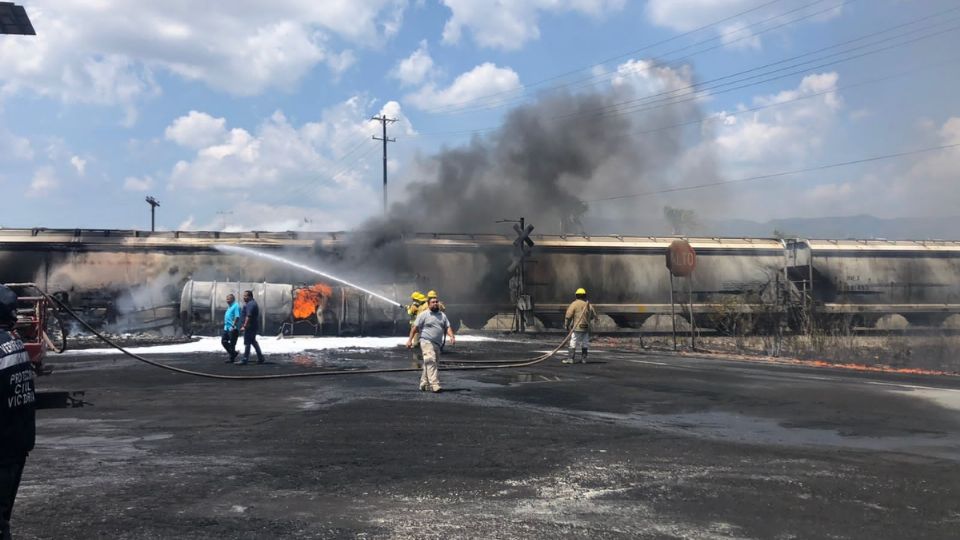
(579, 318)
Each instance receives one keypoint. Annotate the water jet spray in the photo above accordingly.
(283, 260)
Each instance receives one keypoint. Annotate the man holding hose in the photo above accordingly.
(579, 316)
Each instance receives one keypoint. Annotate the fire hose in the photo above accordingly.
(498, 365)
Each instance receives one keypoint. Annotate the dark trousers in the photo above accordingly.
(10, 474)
(250, 338)
(229, 341)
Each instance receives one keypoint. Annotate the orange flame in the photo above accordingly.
(307, 300)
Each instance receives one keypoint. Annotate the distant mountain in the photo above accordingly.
(862, 226)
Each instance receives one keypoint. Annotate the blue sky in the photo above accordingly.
(253, 115)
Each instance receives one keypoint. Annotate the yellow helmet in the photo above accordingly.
(432, 294)
(415, 294)
(580, 291)
(418, 296)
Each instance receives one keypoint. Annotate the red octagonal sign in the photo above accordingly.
(681, 259)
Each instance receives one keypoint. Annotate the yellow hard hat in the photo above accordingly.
(581, 290)
(415, 294)
(432, 294)
(418, 296)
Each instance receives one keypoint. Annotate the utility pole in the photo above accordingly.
(383, 122)
(153, 207)
(223, 218)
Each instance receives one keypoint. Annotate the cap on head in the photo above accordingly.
(581, 291)
(8, 305)
(432, 294)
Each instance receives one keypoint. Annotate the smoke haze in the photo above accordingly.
(552, 155)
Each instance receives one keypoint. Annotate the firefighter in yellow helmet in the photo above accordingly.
(579, 316)
(418, 299)
(431, 294)
(413, 309)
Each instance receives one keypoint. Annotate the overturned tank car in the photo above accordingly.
(318, 309)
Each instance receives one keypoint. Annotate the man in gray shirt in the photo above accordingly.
(432, 325)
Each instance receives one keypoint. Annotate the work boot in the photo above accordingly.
(583, 357)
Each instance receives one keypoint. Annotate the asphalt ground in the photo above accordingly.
(630, 445)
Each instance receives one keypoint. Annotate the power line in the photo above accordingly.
(343, 169)
(610, 59)
(383, 122)
(776, 175)
(597, 78)
(693, 96)
(292, 188)
(635, 105)
(810, 53)
(845, 87)
(623, 55)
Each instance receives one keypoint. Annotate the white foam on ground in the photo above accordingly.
(271, 345)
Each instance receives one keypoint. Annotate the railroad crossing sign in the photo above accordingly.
(522, 245)
(681, 258)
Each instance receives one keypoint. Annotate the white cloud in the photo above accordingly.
(133, 183)
(14, 148)
(415, 68)
(508, 25)
(253, 216)
(648, 78)
(686, 15)
(484, 80)
(43, 183)
(774, 138)
(929, 185)
(106, 52)
(739, 36)
(329, 163)
(79, 164)
(922, 185)
(392, 109)
(196, 130)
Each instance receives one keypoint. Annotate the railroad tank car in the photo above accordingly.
(626, 277)
(866, 279)
(127, 272)
(319, 309)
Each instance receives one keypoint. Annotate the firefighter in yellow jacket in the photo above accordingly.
(579, 317)
(413, 309)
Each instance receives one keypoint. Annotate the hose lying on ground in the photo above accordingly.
(502, 365)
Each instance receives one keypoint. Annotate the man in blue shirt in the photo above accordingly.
(230, 333)
(249, 327)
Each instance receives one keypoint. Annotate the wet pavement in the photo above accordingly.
(630, 445)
